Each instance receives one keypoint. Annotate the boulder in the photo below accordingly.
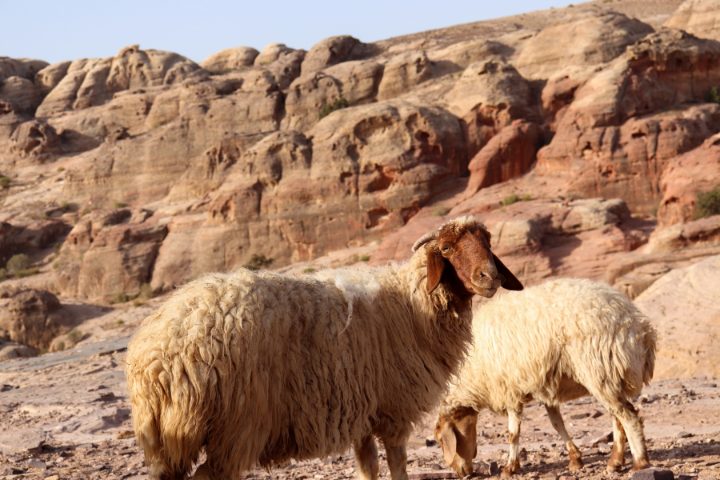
(333, 50)
(20, 67)
(230, 59)
(11, 350)
(687, 343)
(507, 155)
(403, 72)
(702, 232)
(36, 140)
(282, 62)
(309, 98)
(21, 93)
(50, 76)
(30, 317)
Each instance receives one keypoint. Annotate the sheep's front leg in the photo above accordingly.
(397, 458)
(559, 426)
(366, 458)
(513, 464)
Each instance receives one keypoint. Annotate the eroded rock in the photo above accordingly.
(30, 317)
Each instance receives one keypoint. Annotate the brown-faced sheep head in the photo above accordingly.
(456, 434)
(459, 255)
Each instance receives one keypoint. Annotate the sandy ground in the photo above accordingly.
(66, 416)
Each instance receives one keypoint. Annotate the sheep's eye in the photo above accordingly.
(445, 248)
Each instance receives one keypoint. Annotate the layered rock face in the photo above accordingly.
(699, 17)
(175, 169)
(627, 121)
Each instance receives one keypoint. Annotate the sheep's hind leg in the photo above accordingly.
(366, 457)
(559, 426)
(617, 455)
(627, 415)
(513, 464)
(397, 458)
(632, 424)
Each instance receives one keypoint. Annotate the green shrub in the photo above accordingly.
(146, 292)
(17, 263)
(364, 258)
(514, 198)
(708, 203)
(441, 211)
(257, 262)
(713, 95)
(121, 298)
(27, 272)
(328, 108)
(75, 336)
(309, 270)
(5, 182)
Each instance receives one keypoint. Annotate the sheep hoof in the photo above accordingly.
(509, 470)
(613, 467)
(640, 464)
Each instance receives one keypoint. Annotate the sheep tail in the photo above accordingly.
(650, 340)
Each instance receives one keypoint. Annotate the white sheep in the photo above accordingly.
(258, 368)
(554, 342)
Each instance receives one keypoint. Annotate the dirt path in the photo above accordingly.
(66, 416)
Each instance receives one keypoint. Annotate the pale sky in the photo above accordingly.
(55, 30)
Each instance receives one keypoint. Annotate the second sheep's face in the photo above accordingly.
(456, 433)
(459, 255)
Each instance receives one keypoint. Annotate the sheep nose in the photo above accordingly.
(490, 272)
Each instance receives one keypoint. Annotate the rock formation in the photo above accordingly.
(175, 169)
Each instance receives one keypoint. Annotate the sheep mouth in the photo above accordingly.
(486, 290)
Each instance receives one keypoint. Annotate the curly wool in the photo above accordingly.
(259, 368)
(554, 342)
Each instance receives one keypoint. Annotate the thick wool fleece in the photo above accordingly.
(554, 342)
(262, 367)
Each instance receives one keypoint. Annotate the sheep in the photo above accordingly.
(259, 368)
(554, 342)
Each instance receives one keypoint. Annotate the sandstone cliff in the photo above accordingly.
(139, 172)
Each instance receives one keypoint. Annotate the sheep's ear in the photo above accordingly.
(509, 281)
(435, 266)
(449, 443)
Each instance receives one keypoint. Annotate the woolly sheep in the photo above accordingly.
(258, 368)
(554, 342)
